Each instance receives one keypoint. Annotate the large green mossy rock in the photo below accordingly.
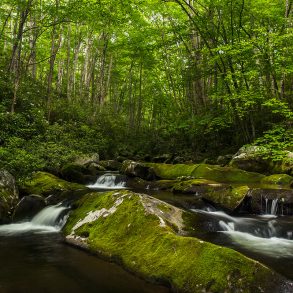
(142, 233)
(43, 183)
(204, 171)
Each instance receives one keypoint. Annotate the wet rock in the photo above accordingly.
(78, 173)
(144, 234)
(8, 195)
(28, 207)
(269, 201)
(111, 165)
(135, 169)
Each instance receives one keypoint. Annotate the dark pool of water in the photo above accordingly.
(43, 263)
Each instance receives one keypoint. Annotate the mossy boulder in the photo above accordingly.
(208, 172)
(218, 194)
(250, 158)
(8, 195)
(144, 235)
(45, 184)
(278, 179)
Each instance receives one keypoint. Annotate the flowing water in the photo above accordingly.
(34, 259)
(109, 181)
(266, 238)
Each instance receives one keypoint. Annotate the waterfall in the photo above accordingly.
(274, 207)
(109, 181)
(50, 219)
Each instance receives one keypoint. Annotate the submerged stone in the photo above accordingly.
(145, 235)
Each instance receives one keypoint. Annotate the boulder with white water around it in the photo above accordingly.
(8, 195)
(145, 235)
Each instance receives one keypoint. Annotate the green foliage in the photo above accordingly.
(276, 143)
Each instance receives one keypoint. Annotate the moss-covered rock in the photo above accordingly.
(46, 184)
(168, 171)
(278, 179)
(219, 194)
(8, 195)
(142, 233)
(204, 171)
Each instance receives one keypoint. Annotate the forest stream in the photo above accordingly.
(34, 252)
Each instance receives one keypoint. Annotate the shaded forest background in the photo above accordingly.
(195, 78)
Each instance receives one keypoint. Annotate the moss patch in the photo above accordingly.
(204, 171)
(45, 184)
(140, 233)
(279, 179)
(168, 171)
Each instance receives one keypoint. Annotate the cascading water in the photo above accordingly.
(265, 236)
(109, 181)
(50, 219)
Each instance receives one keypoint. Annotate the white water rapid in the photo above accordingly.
(266, 236)
(108, 181)
(47, 220)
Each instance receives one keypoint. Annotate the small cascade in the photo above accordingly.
(50, 219)
(50, 216)
(263, 235)
(109, 181)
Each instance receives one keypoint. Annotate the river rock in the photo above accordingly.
(8, 195)
(144, 234)
(135, 169)
(249, 158)
(28, 207)
(47, 184)
(111, 165)
(269, 201)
